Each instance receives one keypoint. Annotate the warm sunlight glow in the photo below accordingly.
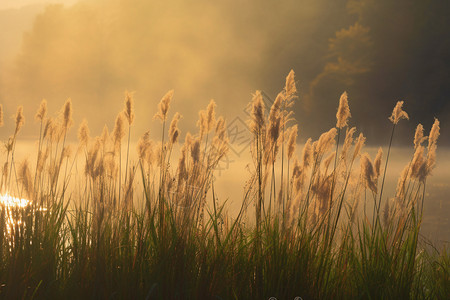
(11, 202)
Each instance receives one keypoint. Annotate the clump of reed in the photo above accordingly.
(102, 224)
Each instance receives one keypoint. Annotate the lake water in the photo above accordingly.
(233, 172)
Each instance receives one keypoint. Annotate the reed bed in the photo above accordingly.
(114, 227)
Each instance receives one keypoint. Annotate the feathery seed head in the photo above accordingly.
(211, 115)
(67, 114)
(20, 119)
(418, 136)
(400, 193)
(297, 169)
(25, 176)
(48, 127)
(274, 130)
(432, 147)
(347, 142)
(104, 137)
(195, 150)
(398, 113)
(257, 121)
(417, 162)
(368, 173)
(182, 172)
(290, 88)
(434, 133)
(42, 111)
(163, 106)
(358, 145)
(118, 131)
(129, 110)
(83, 133)
(142, 145)
(326, 141)
(307, 154)
(292, 140)
(343, 112)
(174, 132)
(377, 162)
(220, 131)
(202, 122)
(42, 157)
(275, 109)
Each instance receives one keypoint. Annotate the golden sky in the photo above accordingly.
(92, 51)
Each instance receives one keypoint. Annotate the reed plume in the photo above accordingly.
(163, 106)
(358, 145)
(322, 189)
(47, 127)
(118, 131)
(104, 137)
(418, 164)
(275, 109)
(211, 115)
(67, 114)
(128, 110)
(20, 119)
(142, 146)
(83, 133)
(432, 146)
(174, 131)
(290, 88)
(257, 121)
(220, 130)
(377, 162)
(25, 177)
(202, 122)
(42, 158)
(274, 128)
(91, 167)
(418, 136)
(42, 111)
(398, 113)
(195, 150)
(182, 171)
(298, 176)
(368, 173)
(292, 141)
(307, 154)
(343, 113)
(326, 142)
(347, 142)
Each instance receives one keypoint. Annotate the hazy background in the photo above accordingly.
(378, 51)
(93, 50)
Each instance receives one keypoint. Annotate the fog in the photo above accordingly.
(92, 51)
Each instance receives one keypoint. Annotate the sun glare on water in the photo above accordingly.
(11, 205)
(11, 202)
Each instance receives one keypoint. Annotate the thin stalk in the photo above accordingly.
(161, 182)
(128, 151)
(385, 168)
(39, 155)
